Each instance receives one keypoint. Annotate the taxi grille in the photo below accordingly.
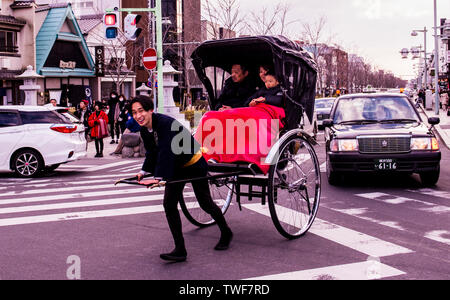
(384, 144)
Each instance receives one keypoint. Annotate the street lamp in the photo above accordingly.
(415, 33)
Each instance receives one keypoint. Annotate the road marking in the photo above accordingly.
(431, 192)
(81, 215)
(358, 241)
(21, 209)
(58, 190)
(323, 167)
(112, 192)
(395, 200)
(442, 236)
(357, 271)
(359, 213)
(108, 166)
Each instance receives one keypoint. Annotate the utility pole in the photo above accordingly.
(436, 62)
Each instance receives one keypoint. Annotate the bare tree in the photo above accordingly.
(270, 20)
(225, 14)
(313, 35)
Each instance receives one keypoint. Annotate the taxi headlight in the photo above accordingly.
(347, 145)
(424, 144)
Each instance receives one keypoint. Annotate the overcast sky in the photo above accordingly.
(374, 29)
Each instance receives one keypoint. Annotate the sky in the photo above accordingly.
(374, 29)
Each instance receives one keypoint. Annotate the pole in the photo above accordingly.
(159, 50)
(425, 53)
(436, 62)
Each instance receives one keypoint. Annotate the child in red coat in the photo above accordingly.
(98, 121)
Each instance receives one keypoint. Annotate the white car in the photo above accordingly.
(37, 138)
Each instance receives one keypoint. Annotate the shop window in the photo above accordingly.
(8, 41)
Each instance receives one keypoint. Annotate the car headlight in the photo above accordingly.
(344, 145)
(424, 144)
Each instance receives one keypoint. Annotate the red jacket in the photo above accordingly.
(95, 124)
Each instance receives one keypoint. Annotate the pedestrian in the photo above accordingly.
(83, 114)
(120, 114)
(113, 129)
(168, 164)
(98, 123)
(444, 100)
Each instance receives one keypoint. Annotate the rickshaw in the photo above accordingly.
(291, 189)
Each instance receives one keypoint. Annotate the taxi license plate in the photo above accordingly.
(385, 164)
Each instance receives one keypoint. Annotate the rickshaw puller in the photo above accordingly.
(157, 132)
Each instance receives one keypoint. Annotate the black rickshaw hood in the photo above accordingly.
(293, 65)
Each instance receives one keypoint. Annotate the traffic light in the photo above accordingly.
(111, 24)
(130, 26)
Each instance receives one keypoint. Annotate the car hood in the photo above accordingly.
(353, 131)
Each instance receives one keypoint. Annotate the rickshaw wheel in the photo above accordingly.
(294, 187)
(222, 191)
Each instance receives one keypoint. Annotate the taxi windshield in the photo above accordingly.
(374, 109)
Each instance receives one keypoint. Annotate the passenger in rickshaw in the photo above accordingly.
(237, 89)
(245, 134)
(270, 94)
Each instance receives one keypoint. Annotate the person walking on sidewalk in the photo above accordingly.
(444, 100)
(158, 133)
(113, 127)
(98, 123)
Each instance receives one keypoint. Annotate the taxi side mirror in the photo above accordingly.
(434, 121)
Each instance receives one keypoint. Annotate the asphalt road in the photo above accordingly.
(75, 224)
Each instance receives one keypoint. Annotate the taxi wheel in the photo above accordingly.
(430, 178)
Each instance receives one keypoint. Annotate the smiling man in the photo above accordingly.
(173, 154)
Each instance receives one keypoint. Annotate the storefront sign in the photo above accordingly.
(67, 65)
(100, 61)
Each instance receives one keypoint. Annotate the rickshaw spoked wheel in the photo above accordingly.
(222, 191)
(294, 187)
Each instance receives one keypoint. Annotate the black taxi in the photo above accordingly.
(380, 133)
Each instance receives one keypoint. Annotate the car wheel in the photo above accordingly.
(27, 163)
(430, 178)
(334, 178)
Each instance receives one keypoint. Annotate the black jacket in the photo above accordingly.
(235, 94)
(112, 102)
(274, 96)
(169, 147)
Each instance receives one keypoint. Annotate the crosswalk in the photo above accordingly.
(92, 194)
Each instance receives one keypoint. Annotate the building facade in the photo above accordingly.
(49, 39)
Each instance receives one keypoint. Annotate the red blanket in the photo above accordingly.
(240, 135)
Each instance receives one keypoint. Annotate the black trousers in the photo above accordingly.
(99, 145)
(174, 194)
(114, 128)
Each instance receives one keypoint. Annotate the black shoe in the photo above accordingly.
(224, 242)
(175, 256)
(97, 155)
(100, 155)
(112, 142)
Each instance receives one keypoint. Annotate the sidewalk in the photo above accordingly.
(443, 129)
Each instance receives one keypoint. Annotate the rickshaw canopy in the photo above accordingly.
(296, 70)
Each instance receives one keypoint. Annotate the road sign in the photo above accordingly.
(149, 58)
